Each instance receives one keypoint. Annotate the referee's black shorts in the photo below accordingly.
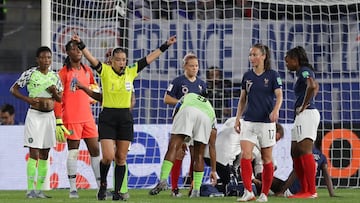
(116, 124)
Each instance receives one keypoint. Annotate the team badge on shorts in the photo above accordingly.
(31, 140)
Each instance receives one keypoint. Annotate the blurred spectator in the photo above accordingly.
(186, 9)
(219, 91)
(206, 10)
(234, 8)
(2, 18)
(171, 9)
(140, 9)
(164, 10)
(7, 115)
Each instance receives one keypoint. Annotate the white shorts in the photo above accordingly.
(261, 134)
(40, 129)
(193, 123)
(306, 125)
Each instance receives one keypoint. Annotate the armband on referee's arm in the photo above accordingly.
(97, 67)
(142, 63)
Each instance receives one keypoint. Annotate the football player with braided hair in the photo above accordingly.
(75, 113)
(306, 122)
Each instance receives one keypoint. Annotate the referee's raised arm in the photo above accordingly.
(157, 52)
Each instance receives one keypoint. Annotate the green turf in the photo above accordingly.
(141, 196)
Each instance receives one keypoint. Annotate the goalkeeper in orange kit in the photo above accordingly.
(74, 112)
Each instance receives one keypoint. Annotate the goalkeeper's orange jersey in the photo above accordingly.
(76, 106)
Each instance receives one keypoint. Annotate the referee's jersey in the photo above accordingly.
(117, 89)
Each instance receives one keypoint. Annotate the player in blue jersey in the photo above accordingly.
(292, 184)
(194, 120)
(187, 83)
(258, 113)
(307, 119)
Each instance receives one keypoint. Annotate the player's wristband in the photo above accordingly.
(81, 45)
(164, 47)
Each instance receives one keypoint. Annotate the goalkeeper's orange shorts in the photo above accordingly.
(82, 130)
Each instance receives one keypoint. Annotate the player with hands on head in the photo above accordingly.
(307, 119)
(195, 121)
(44, 88)
(258, 113)
(74, 112)
(115, 120)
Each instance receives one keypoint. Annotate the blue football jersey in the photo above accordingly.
(260, 91)
(181, 85)
(300, 86)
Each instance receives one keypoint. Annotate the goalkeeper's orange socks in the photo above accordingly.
(165, 170)
(175, 173)
(42, 171)
(198, 176)
(31, 173)
(267, 178)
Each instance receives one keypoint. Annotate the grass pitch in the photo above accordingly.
(142, 196)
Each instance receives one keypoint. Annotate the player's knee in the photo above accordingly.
(94, 151)
(107, 160)
(120, 159)
(73, 154)
(246, 155)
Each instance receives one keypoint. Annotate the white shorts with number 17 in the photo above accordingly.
(262, 134)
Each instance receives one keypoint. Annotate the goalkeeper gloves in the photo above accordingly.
(61, 130)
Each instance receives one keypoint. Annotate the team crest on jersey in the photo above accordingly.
(249, 83)
(305, 74)
(266, 82)
(200, 88)
(184, 89)
(30, 140)
(279, 81)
